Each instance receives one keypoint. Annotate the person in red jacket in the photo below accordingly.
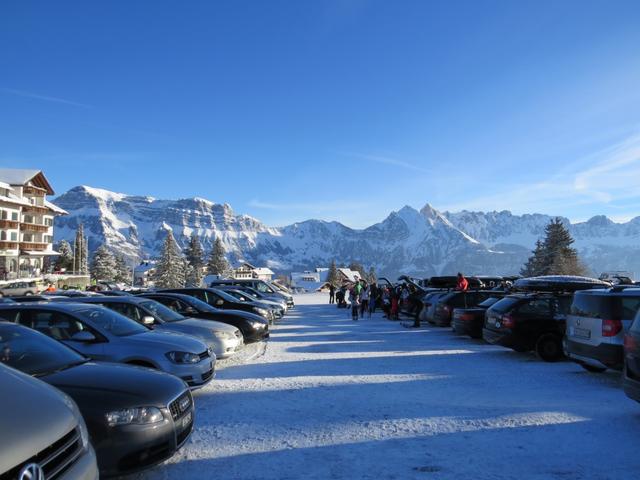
(462, 284)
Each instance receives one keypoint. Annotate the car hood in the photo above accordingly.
(208, 324)
(124, 385)
(170, 341)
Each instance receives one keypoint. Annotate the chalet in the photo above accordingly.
(26, 223)
(246, 270)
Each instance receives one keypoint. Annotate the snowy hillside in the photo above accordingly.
(420, 243)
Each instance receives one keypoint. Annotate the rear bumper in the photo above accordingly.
(441, 320)
(603, 355)
(467, 327)
(504, 339)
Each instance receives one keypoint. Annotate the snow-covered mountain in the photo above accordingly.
(420, 243)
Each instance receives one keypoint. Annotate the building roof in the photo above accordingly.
(263, 271)
(19, 176)
(55, 208)
(349, 274)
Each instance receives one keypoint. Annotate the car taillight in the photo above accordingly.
(508, 321)
(610, 328)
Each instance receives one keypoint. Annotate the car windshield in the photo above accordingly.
(33, 352)
(226, 296)
(111, 322)
(505, 304)
(488, 302)
(161, 311)
(239, 295)
(250, 295)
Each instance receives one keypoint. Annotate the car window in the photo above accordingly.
(54, 324)
(562, 305)
(614, 307)
(126, 309)
(201, 295)
(34, 353)
(506, 304)
(10, 315)
(488, 302)
(112, 322)
(630, 307)
(538, 306)
(161, 311)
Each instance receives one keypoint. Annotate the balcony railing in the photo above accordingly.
(37, 246)
(35, 191)
(9, 224)
(34, 227)
(8, 245)
(35, 209)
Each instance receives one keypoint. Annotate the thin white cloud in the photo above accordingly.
(46, 98)
(385, 160)
(606, 178)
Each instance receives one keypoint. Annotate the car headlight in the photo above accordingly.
(225, 335)
(261, 311)
(257, 325)
(84, 434)
(183, 357)
(139, 416)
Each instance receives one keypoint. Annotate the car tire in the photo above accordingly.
(549, 348)
(592, 369)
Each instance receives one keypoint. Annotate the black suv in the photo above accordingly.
(532, 321)
(632, 360)
(444, 305)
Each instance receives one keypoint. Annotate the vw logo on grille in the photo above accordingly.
(184, 404)
(578, 322)
(31, 471)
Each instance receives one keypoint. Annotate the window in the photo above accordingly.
(14, 236)
(53, 324)
(48, 239)
(48, 222)
(3, 235)
(3, 214)
(538, 307)
(126, 309)
(14, 216)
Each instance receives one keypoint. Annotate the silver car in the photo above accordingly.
(102, 334)
(17, 289)
(220, 337)
(597, 324)
(43, 433)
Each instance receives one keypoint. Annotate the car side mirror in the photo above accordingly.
(148, 320)
(219, 303)
(83, 336)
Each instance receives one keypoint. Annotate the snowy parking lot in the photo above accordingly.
(330, 398)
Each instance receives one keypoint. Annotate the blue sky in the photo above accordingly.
(332, 109)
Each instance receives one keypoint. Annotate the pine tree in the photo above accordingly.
(554, 255)
(103, 265)
(123, 271)
(533, 267)
(194, 255)
(171, 269)
(64, 261)
(332, 276)
(218, 264)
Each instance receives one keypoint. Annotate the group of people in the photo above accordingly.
(363, 297)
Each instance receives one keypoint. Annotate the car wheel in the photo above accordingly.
(549, 348)
(592, 369)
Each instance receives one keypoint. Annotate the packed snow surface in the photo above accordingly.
(330, 398)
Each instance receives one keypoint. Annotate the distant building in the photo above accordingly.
(246, 270)
(26, 223)
(143, 274)
(315, 280)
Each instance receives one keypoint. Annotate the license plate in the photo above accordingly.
(582, 332)
(186, 421)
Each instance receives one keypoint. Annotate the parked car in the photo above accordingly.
(429, 302)
(259, 296)
(469, 321)
(597, 324)
(14, 289)
(102, 334)
(222, 300)
(632, 360)
(36, 298)
(136, 416)
(253, 327)
(445, 304)
(37, 420)
(259, 285)
(530, 321)
(221, 338)
(278, 310)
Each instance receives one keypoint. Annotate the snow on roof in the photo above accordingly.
(310, 286)
(349, 274)
(55, 208)
(37, 253)
(263, 271)
(5, 185)
(14, 199)
(19, 176)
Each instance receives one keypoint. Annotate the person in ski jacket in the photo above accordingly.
(355, 303)
(463, 284)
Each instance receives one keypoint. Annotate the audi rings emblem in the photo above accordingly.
(31, 471)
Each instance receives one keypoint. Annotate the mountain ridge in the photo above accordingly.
(408, 241)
